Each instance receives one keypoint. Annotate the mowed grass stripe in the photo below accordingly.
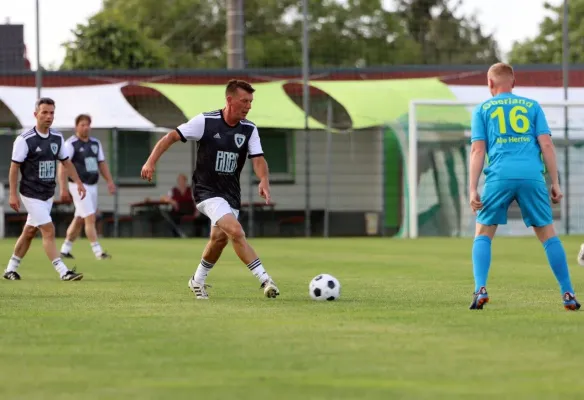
(132, 329)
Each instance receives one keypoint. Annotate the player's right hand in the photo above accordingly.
(556, 194)
(147, 172)
(14, 202)
(81, 190)
(65, 196)
(475, 202)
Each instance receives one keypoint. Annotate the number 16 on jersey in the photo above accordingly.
(517, 119)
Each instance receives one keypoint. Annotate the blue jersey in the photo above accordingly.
(510, 125)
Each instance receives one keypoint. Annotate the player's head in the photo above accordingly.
(182, 180)
(239, 95)
(83, 125)
(501, 78)
(44, 112)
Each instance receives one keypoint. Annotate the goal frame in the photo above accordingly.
(412, 157)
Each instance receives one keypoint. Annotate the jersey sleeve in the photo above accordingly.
(192, 129)
(19, 150)
(63, 153)
(100, 155)
(68, 148)
(254, 145)
(477, 126)
(541, 124)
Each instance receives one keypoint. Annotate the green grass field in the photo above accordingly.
(401, 330)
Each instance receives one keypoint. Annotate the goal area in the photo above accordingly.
(436, 167)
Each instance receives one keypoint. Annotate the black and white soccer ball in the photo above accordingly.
(324, 287)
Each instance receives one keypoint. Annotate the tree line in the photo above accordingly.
(142, 34)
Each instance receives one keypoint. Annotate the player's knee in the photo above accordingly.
(29, 232)
(544, 233)
(90, 219)
(485, 230)
(219, 240)
(47, 230)
(235, 232)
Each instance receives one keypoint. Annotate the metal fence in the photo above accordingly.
(323, 184)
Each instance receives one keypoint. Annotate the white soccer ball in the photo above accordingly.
(324, 287)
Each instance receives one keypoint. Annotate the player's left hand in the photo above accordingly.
(81, 190)
(111, 187)
(264, 190)
(556, 193)
(475, 202)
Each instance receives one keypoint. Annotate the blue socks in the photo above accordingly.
(557, 258)
(481, 260)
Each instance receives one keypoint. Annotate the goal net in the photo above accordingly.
(436, 169)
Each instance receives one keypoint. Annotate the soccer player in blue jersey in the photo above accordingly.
(513, 133)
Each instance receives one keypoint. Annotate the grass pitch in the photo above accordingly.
(401, 330)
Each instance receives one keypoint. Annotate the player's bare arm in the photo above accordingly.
(477, 159)
(13, 182)
(105, 172)
(72, 173)
(260, 167)
(161, 147)
(548, 152)
(62, 179)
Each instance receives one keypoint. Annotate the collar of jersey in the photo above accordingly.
(503, 95)
(225, 122)
(42, 135)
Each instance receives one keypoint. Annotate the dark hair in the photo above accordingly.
(44, 100)
(82, 117)
(234, 84)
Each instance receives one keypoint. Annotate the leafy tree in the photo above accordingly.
(193, 30)
(546, 47)
(443, 37)
(108, 43)
(349, 33)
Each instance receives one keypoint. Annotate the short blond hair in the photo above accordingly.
(501, 72)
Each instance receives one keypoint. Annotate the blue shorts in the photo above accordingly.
(532, 197)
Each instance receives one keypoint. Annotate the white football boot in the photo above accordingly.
(270, 289)
(199, 289)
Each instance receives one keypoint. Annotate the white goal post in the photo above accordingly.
(411, 227)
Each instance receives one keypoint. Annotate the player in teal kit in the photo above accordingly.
(513, 134)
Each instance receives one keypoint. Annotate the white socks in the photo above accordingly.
(257, 269)
(66, 247)
(96, 248)
(13, 264)
(60, 267)
(202, 271)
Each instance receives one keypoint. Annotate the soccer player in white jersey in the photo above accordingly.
(35, 154)
(224, 140)
(86, 154)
